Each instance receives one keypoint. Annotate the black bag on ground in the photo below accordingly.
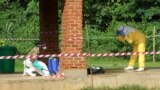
(95, 70)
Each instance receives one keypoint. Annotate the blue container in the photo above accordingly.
(53, 64)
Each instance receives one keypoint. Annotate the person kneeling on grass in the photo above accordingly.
(137, 39)
(31, 65)
(41, 68)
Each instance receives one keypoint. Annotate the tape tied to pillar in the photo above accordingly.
(77, 55)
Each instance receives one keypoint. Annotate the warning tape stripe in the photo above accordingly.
(19, 39)
(78, 55)
(73, 38)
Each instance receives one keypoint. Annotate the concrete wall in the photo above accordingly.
(148, 79)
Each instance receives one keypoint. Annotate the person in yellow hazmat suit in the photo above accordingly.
(138, 40)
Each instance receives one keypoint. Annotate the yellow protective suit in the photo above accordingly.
(138, 40)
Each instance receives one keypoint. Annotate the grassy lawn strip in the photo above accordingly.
(125, 87)
(106, 63)
(116, 63)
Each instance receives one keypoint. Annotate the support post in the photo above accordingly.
(72, 38)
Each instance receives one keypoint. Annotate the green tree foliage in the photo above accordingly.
(101, 13)
(103, 17)
(19, 19)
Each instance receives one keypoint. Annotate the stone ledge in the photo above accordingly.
(149, 78)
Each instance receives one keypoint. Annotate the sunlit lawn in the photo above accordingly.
(116, 63)
(124, 87)
(18, 65)
(105, 62)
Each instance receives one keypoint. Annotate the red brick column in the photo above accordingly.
(72, 29)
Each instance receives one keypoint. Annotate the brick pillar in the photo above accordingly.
(72, 29)
(49, 25)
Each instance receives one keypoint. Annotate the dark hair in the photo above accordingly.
(40, 43)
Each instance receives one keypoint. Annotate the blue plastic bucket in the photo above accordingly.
(53, 64)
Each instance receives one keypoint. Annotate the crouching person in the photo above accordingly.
(41, 68)
(28, 68)
(32, 65)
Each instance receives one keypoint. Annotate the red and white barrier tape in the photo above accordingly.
(34, 39)
(77, 55)
(74, 38)
(19, 39)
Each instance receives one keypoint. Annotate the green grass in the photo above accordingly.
(116, 63)
(18, 65)
(108, 63)
(105, 62)
(124, 87)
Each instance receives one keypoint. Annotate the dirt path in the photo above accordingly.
(112, 78)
